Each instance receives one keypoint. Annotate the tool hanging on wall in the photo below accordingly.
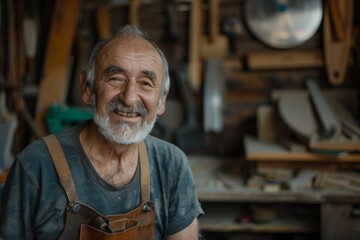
(337, 37)
(31, 40)
(213, 45)
(214, 49)
(283, 24)
(172, 29)
(31, 31)
(195, 67)
(329, 124)
(189, 135)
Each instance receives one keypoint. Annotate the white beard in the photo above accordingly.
(122, 132)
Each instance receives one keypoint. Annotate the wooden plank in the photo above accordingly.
(329, 166)
(340, 143)
(337, 180)
(284, 59)
(53, 85)
(256, 150)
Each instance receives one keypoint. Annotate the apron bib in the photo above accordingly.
(84, 223)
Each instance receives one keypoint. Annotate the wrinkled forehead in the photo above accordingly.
(130, 49)
(127, 45)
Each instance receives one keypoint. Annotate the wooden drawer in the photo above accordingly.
(340, 221)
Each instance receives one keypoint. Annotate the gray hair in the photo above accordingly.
(126, 32)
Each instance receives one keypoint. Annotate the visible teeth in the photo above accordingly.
(127, 114)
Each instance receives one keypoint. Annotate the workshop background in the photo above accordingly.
(264, 100)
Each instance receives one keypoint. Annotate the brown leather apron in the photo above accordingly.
(83, 222)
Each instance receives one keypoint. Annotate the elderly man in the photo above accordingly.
(107, 178)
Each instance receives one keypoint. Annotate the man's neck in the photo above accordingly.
(115, 163)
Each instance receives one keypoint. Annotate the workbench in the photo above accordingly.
(310, 213)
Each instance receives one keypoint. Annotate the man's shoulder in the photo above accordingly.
(36, 147)
(165, 155)
(162, 146)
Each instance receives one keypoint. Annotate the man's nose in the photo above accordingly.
(129, 94)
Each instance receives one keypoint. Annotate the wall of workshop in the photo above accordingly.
(245, 89)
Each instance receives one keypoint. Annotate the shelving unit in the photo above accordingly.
(227, 202)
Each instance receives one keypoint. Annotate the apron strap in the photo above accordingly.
(66, 180)
(144, 173)
(61, 166)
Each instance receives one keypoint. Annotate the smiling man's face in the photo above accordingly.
(127, 90)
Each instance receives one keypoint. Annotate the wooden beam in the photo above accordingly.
(53, 85)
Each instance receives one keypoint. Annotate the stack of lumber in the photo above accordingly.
(277, 179)
(345, 181)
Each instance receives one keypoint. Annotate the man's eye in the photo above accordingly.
(116, 81)
(146, 83)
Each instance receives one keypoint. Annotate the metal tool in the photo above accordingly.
(214, 49)
(190, 135)
(283, 23)
(213, 96)
(330, 125)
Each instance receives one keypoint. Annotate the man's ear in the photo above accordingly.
(162, 104)
(86, 92)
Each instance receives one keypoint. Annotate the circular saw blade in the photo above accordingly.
(283, 23)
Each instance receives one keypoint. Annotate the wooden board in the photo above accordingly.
(284, 59)
(53, 85)
(271, 151)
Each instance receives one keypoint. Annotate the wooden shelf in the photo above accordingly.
(227, 202)
(247, 195)
(223, 219)
(214, 186)
(271, 151)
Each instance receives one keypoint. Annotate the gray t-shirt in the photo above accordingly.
(33, 201)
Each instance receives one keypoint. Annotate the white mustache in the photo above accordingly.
(138, 109)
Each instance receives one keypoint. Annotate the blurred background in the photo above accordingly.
(264, 100)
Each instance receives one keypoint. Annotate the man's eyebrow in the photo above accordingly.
(113, 69)
(116, 69)
(150, 74)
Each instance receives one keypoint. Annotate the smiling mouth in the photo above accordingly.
(127, 114)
